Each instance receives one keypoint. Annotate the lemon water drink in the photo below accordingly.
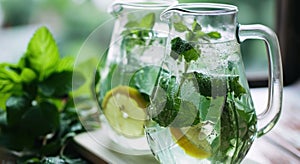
(126, 85)
(138, 43)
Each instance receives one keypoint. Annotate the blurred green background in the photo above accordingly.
(72, 21)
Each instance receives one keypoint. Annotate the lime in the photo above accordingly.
(188, 139)
(124, 109)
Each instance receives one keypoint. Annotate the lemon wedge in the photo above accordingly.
(124, 109)
(189, 141)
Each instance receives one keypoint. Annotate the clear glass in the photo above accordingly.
(138, 41)
(201, 110)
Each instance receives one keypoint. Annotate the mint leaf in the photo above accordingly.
(132, 24)
(204, 107)
(180, 27)
(137, 32)
(218, 85)
(236, 87)
(4, 97)
(145, 78)
(16, 106)
(147, 21)
(40, 120)
(165, 102)
(28, 75)
(130, 42)
(10, 80)
(187, 115)
(65, 64)
(42, 53)
(191, 54)
(214, 35)
(228, 132)
(212, 86)
(195, 33)
(196, 26)
(184, 49)
(60, 83)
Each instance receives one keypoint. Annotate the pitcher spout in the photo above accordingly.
(117, 7)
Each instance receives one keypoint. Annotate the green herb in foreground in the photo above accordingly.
(38, 117)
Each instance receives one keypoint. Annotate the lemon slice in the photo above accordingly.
(190, 142)
(124, 109)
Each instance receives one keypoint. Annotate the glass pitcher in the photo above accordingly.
(138, 40)
(201, 110)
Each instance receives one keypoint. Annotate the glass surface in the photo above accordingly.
(252, 12)
(138, 41)
(213, 124)
(201, 110)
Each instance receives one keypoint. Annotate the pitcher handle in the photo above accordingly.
(271, 114)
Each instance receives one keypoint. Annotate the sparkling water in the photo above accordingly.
(227, 123)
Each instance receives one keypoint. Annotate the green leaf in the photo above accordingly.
(16, 139)
(214, 35)
(42, 53)
(187, 115)
(16, 106)
(196, 26)
(145, 79)
(60, 83)
(180, 27)
(176, 44)
(147, 21)
(41, 119)
(236, 87)
(199, 34)
(132, 24)
(165, 101)
(51, 148)
(28, 75)
(4, 97)
(211, 86)
(10, 81)
(65, 64)
(204, 107)
(131, 42)
(215, 108)
(183, 48)
(191, 54)
(228, 132)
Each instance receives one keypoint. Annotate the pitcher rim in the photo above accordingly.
(207, 9)
(140, 4)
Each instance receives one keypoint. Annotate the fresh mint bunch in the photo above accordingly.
(37, 115)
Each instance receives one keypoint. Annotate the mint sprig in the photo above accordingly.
(37, 114)
(196, 32)
(136, 32)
